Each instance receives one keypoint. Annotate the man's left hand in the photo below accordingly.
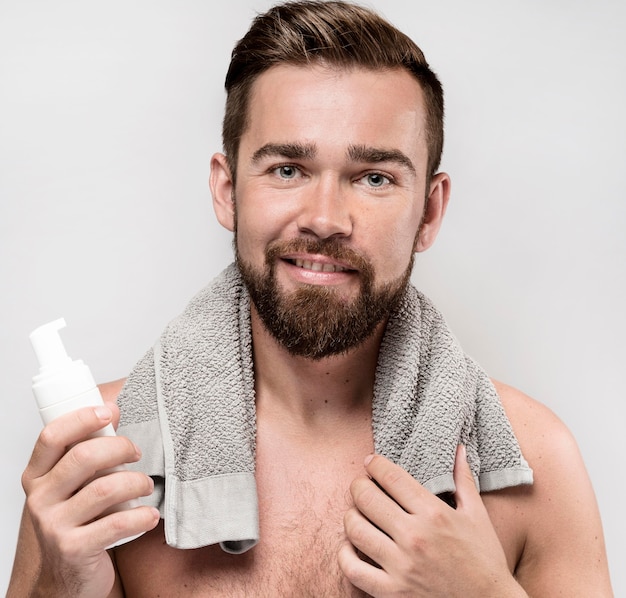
(402, 540)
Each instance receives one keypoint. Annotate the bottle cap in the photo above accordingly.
(48, 345)
(59, 378)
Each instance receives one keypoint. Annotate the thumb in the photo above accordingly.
(466, 490)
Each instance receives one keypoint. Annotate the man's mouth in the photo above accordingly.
(318, 266)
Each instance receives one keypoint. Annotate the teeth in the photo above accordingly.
(318, 267)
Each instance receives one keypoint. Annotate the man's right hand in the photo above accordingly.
(66, 500)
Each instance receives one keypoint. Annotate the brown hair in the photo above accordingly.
(334, 33)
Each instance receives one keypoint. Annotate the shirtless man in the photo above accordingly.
(322, 146)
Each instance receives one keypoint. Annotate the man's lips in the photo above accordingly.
(318, 264)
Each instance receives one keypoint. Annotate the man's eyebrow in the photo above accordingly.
(291, 151)
(362, 153)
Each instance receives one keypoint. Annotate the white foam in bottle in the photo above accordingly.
(63, 385)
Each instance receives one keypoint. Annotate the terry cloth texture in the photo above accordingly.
(189, 404)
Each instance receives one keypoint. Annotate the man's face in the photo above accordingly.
(330, 193)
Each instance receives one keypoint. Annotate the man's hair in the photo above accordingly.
(334, 34)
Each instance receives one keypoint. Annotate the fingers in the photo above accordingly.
(103, 496)
(388, 501)
(110, 392)
(411, 495)
(108, 530)
(115, 410)
(86, 460)
(398, 483)
(376, 508)
(69, 488)
(78, 495)
(421, 544)
(466, 491)
(90, 519)
(63, 432)
(367, 532)
(371, 579)
(73, 543)
(87, 482)
(374, 527)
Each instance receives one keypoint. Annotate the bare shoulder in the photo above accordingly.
(549, 447)
(564, 539)
(537, 427)
(110, 390)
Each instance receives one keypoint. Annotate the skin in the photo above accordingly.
(314, 417)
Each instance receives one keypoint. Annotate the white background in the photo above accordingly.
(109, 112)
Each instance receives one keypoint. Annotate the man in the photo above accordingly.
(332, 138)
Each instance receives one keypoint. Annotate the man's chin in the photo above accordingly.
(317, 321)
(334, 298)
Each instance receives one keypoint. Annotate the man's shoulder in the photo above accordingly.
(110, 390)
(545, 440)
(524, 410)
(559, 515)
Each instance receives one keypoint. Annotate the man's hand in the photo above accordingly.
(404, 541)
(66, 500)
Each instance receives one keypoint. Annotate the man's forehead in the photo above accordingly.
(289, 77)
(297, 89)
(365, 115)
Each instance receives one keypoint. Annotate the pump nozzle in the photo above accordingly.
(48, 345)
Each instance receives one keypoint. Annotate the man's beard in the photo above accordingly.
(315, 321)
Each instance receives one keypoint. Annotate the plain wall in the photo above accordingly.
(110, 111)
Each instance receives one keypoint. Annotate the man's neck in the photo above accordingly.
(309, 391)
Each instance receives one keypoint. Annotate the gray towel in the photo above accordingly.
(189, 404)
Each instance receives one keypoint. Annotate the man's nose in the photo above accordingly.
(325, 210)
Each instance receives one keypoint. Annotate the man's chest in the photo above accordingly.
(303, 493)
(301, 530)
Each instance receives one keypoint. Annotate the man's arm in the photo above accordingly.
(27, 560)
(61, 543)
(564, 553)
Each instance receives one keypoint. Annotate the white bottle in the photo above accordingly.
(63, 385)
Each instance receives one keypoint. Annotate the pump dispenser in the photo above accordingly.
(63, 385)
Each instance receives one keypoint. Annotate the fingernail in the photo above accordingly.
(103, 413)
(368, 460)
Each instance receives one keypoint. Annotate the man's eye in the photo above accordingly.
(375, 179)
(286, 171)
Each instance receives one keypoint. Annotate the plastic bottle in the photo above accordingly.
(63, 385)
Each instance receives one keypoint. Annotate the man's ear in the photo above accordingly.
(222, 187)
(438, 197)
